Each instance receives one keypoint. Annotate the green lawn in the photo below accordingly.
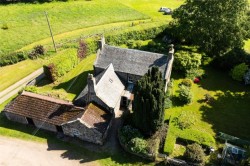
(247, 46)
(64, 17)
(228, 113)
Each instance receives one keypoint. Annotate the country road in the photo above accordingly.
(15, 152)
(13, 89)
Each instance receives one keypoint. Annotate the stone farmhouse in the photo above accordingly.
(90, 116)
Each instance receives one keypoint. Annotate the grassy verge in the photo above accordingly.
(228, 112)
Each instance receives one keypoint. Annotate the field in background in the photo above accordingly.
(27, 22)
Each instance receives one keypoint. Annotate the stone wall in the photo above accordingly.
(16, 118)
(169, 70)
(44, 125)
(79, 129)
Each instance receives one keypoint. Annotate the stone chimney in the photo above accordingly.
(102, 42)
(171, 50)
(91, 87)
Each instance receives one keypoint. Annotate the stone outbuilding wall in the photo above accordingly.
(84, 132)
(44, 125)
(16, 118)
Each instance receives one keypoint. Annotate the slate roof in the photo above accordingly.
(44, 108)
(97, 118)
(109, 88)
(130, 61)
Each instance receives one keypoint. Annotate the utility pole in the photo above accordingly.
(51, 34)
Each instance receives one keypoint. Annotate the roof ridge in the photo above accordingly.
(47, 98)
(134, 50)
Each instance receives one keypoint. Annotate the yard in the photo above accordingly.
(228, 112)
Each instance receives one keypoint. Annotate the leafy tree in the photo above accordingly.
(194, 153)
(239, 72)
(215, 26)
(148, 105)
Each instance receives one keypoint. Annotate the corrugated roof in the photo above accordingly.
(44, 108)
(131, 61)
(97, 118)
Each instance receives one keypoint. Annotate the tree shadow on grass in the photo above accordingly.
(229, 113)
(221, 80)
(76, 84)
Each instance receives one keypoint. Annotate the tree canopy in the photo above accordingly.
(148, 104)
(216, 26)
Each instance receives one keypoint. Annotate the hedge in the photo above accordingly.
(141, 32)
(12, 58)
(61, 63)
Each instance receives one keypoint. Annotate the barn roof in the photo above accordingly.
(44, 108)
(130, 60)
(97, 118)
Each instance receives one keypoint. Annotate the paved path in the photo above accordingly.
(13, 89)
(16, 152)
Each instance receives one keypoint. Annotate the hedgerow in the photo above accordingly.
(12, 58)
(62, 63)
(142, 32)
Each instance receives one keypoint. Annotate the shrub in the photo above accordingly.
(12, 58)
(142, 32)
(62, 63)
(82, 50)
(194, 153)
(185, 120)
(239, 71)
(187, 60)
(138, 145)
(31, 89)
(194, 73)
(5, 26)
(168, 103)
(185, 95)
(186, 82)
(36, 52)
(128, 132)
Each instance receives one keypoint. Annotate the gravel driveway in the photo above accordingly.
(14, 152)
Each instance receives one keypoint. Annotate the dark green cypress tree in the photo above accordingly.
(148, 104)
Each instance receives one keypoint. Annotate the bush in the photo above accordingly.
(128, 132)
(239, 71)
(142, 32)
(138, 145)
(194, 73)
(82, 50)
(5, 26)
(194, 153)
(168, 103)
(185, 120)
(186, 82)
(62, 63)
(186, 60)
(185, 95)
(32, 89)
(12, 58)
(36, 52)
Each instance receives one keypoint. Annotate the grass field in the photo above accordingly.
(21, 17)
(228, 113)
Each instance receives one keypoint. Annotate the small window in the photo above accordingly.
(75, 132)
(110, 80)
(130, 80)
